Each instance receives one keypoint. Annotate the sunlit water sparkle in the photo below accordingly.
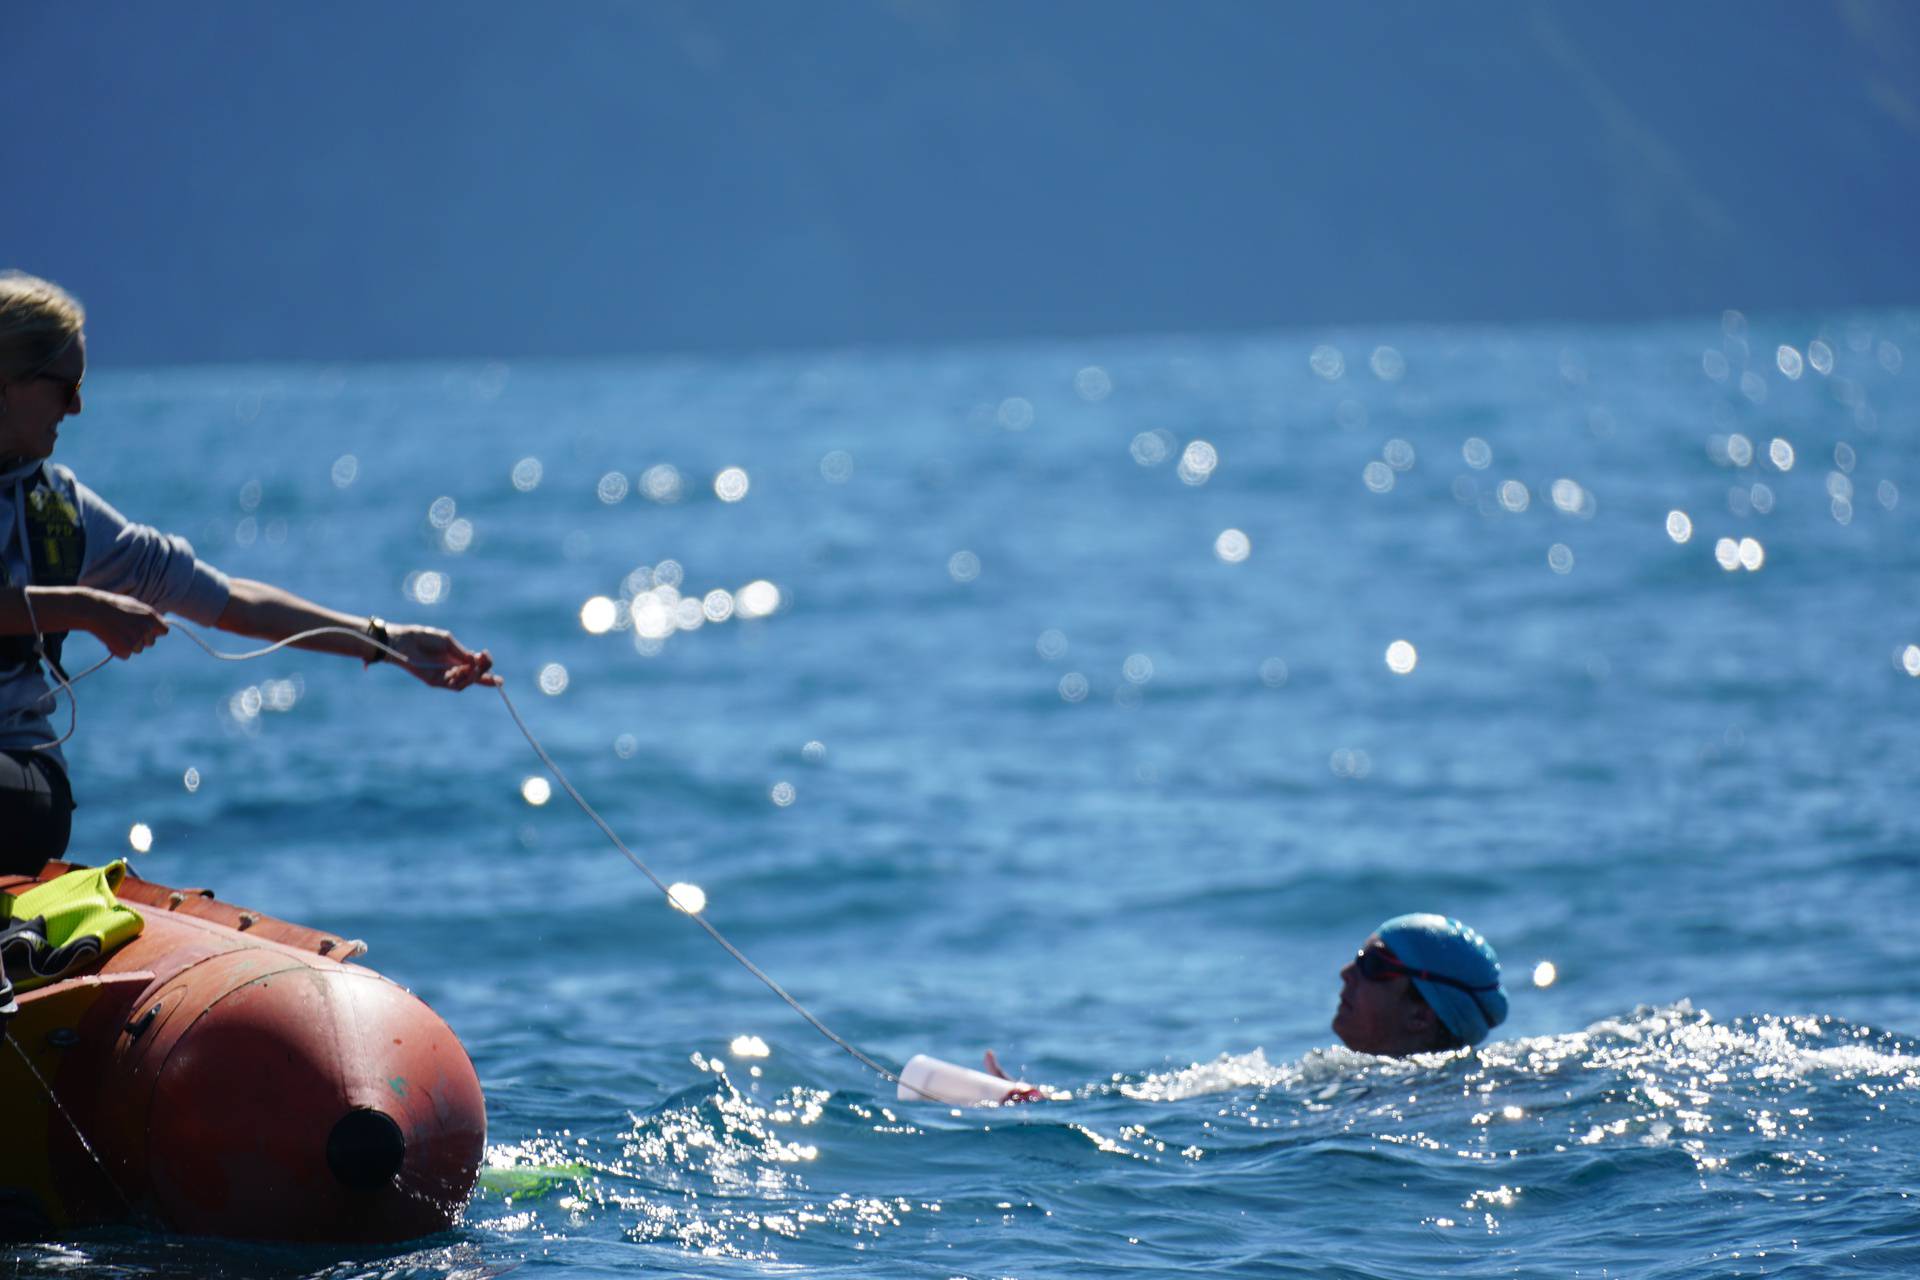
(1109, 790)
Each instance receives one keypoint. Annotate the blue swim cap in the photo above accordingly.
(1446, 947)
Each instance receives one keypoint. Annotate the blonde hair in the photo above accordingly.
(38, 321)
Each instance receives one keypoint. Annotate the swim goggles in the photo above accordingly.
(1378, 964)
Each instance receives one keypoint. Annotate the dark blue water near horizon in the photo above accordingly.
(1106, 695)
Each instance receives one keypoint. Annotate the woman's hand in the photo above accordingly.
(123, 624)
(428, 654)
(434, 657)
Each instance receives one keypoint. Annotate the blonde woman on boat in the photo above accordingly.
(73, 563)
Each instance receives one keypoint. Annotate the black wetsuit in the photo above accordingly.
(36, 811)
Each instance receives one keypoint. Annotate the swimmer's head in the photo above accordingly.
(1421, 983)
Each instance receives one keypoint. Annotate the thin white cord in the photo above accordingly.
(698, 918)
(61, 1107)
(296, 638)
(40, 651)
(892, 1077)
(73, 703)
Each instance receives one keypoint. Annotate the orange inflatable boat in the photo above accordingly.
(226, 1073)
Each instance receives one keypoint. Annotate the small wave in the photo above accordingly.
(1649, 1043)
(1748, 1097)
(1630, 1114)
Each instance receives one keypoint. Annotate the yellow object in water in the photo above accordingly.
(534, 1181)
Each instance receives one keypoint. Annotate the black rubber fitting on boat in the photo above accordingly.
(365, 1150)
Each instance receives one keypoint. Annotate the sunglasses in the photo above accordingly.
(1378, 964)
(71, 386)
(42, 372)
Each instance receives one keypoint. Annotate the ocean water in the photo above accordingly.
(1111, 693)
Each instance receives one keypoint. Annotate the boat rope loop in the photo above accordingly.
(699, 918)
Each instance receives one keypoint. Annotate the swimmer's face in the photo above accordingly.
(1382, 1015)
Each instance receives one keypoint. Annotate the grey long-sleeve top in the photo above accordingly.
(120, 556)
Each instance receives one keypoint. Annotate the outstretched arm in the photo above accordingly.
(432, 656)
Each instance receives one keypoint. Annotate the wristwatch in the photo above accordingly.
(376, 630)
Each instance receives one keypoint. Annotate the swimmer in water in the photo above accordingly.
(1420, 984)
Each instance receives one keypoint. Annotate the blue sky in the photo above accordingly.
(225, 180)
